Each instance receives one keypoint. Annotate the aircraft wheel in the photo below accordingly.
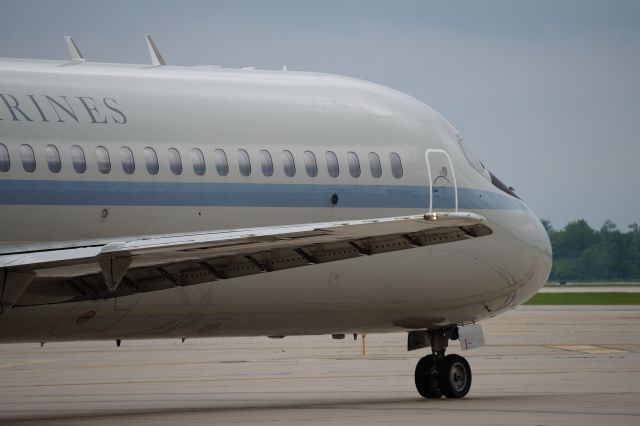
(426, 378)
(454, 376)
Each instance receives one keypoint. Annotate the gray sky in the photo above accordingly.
(546, 93)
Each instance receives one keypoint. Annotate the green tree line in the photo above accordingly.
(581, 253)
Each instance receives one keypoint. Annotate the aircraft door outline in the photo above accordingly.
(441, 175)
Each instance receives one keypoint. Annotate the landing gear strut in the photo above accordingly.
(439, 374)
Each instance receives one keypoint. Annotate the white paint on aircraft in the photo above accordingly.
(197, 201)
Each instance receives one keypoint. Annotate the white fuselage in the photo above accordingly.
(99, 107)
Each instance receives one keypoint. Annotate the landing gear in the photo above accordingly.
(426, 376)
(454, 376)
(436, 374)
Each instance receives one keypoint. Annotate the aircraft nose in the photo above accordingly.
(542, 241)
(538, 239)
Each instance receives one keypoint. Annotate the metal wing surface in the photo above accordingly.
(92, 270)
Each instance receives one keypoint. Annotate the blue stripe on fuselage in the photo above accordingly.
(103, 193)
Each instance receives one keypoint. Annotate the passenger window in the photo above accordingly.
(5, 162)
(197, 158)
(396, 165)
(78, 159)
(288, 163)
(151, 158)
(266, 162)
(128, 163)
(53, 159)
(310, 164)
(175, 161)
(354, 164)
(332, 164)
(104, 162)
(28, 158)
(376, 166)
(244, 163)
(222, 165)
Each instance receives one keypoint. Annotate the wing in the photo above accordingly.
(91, 270)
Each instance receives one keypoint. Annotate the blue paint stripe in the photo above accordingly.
(90, 193)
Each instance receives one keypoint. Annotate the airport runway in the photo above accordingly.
(543, 366)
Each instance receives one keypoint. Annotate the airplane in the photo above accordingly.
(157, 201)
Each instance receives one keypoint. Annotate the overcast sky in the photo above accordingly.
(546, 93)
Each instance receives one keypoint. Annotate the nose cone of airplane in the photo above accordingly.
(537, 235)
(537, 239)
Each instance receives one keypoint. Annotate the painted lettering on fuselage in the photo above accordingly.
(60, 109)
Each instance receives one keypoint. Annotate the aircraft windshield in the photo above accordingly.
(500, 185)
(477, 164)
(473, 160)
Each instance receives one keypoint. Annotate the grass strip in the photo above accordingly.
(585, 299)
(594, 284)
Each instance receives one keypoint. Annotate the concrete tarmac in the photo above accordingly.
(542, 366)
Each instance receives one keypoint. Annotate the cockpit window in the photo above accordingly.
(500, 185)
(479, 166)
(473, 160)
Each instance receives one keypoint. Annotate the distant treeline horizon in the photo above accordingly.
(581, 253)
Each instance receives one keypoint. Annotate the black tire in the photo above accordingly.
(454, 376)
(426, 379)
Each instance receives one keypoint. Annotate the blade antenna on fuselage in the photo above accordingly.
(76, 55)
(156, 57)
